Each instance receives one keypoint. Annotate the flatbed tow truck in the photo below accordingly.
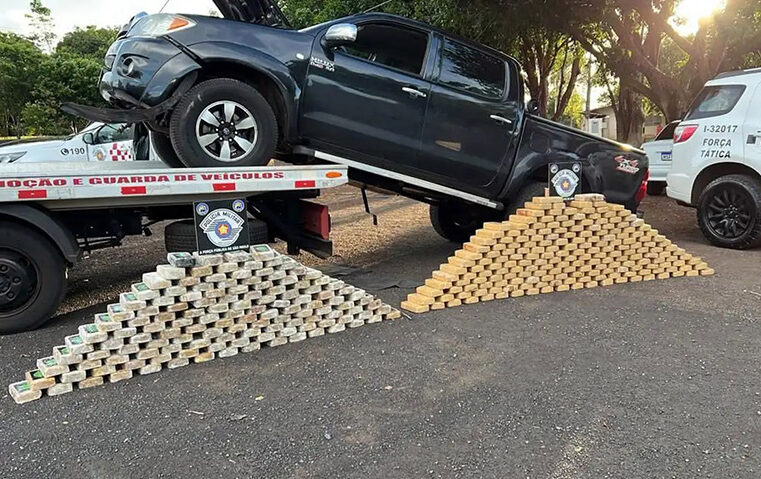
(52, 213)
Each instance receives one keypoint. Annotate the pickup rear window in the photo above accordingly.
(715, 101)
(471, 70)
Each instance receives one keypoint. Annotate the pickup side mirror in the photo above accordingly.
(341, 34)
(533, 107)
(88, 138)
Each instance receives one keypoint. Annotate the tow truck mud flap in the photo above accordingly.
(111, 115)
(181, 313)
(608, 245)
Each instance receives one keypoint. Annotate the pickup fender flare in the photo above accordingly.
(251, 58)
(43, 221)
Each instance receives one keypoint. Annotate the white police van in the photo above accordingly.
(97, 142)
(716, 165)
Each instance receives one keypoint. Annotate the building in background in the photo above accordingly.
(602, 122)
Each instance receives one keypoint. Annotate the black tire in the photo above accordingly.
(180, 236)
(32, 278)
(656, 188)
(457, 221)
(528, 192)
(729, 212)
(162, 144)
(186, 127)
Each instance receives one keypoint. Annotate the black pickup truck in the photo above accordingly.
(409, 108)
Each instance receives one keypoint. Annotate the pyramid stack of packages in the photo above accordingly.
(551, 245)
(198, 308)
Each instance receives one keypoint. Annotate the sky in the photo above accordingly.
(68, 14)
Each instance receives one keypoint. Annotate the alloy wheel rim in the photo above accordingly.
(227, 131)
(729, 212)
(18, 281)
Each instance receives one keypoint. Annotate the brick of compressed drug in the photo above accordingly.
(155, 343)
(103, 370)
(127, 332)
(116, 359)
(255, 346)
(156, 281)
(22, 392)
(98, 354)
(120, 375)
(90, 382)
(228, 352)
(336, 328)
(181, 260)
(203, 357)
(112, 343)
(143, 292)
(60, 388)
(140, 338)
(278, 341)
(88, 364)
(73, 376)
(177, 363)
(128, 349)
(50, 367)
(316, 332)
(133, 364)
(240, 256)
(263, 252)
(208, 260)
(149, 369)
(64, 356)
(37, 381)
(104, 322)
(77, 345)
(118, 312)
(171, 273)
(90, 334)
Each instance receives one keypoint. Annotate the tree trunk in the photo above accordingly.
(629, 117)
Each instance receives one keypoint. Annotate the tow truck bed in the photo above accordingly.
(51, 212)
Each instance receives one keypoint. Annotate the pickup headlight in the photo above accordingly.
(159, 24)
(11, 157)
(111, 55)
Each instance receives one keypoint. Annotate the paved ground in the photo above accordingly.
(656, 379)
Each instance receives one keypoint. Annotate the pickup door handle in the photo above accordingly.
(414, 92)
(501, 119)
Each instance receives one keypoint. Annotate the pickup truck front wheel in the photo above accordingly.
(456, 221)
(32, 278)
(729, 212)
(223, 123)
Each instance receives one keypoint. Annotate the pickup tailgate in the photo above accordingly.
(611, 168)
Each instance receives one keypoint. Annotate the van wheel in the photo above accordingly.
(729, 212)
(180, 236)
(223, 123)
(32, 278)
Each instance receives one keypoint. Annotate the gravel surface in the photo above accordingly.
(656, 379)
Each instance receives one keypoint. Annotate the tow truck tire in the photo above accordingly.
(180, 236)
(163, 146)
(223, 123)
(32, 278)
(729, 212)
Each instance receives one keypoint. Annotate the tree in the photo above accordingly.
(91, 42)
(42, 25)
(20, 68)
(627, 37)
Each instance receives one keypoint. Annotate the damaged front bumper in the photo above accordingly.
(137, 115)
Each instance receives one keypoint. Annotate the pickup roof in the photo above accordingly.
(408, 107)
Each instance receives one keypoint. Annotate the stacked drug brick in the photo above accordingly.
(549, 246)
(198, 308)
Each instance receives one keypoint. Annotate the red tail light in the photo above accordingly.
(684, 133)
(642, 188)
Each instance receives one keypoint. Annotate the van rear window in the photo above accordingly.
(715, 101)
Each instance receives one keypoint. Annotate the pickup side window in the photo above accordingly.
(715, 101)
(472, 70)
(393, 46)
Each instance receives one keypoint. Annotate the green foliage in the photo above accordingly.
(91, 42)
(20, 67)
(42, 25)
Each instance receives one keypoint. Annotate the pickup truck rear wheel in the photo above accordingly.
(32, 278)
(223, 123)
(528, 192)
(458, 221)
(729, 212)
